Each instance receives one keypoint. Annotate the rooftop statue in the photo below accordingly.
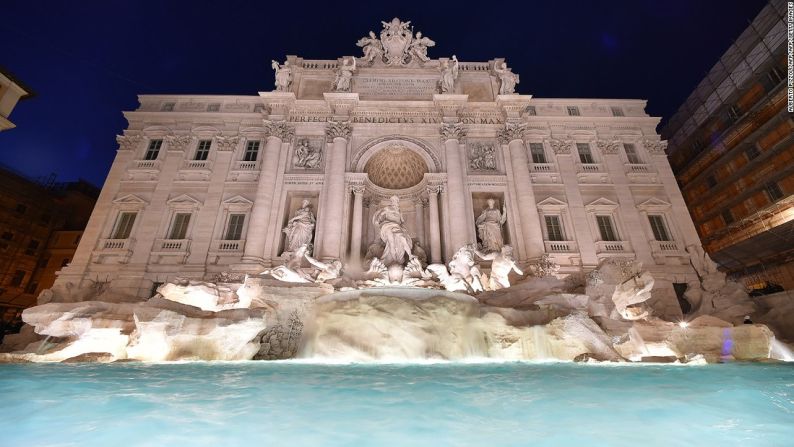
(283, 76)
(344, 75)
(449, 74)
(507, 78)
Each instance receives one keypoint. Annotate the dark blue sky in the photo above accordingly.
(87, 60)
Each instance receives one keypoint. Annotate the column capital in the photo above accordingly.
(655, 147)
(338, 129)
(280, 129)
(512, 131)
(449, 105)
(357, 189)
(609, 147)
(128, 142)
(453, 131)
(435, 189)
(178, 142)
(226, 143)
(561, 147)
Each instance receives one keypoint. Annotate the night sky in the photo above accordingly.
(87, 60)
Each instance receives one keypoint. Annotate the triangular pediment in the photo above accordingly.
(129, 199)
(551, 202)
(602, 203)
(183, 200)
(653, 202)
(237, 200)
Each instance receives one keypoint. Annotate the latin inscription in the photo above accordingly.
(394, 87)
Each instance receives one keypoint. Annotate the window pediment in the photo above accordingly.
(238, 203)
(654, 204)
(601, 204)
(184, 202)
(552, 204)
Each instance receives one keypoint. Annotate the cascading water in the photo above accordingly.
(780, 351)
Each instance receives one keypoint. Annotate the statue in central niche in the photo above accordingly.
(393, 233)
(489, 227)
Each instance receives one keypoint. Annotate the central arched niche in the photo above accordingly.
(395, 166)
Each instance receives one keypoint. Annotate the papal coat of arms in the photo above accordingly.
(397, 45)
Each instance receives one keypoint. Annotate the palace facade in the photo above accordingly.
(206, 184)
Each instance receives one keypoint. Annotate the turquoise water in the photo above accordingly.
(293, 405)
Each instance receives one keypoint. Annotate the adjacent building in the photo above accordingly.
(41, 222)
(205, 184)
(731, 145)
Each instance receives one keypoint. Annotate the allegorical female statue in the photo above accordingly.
(344, 75)
(489, 227)
(449, 74)
(300, 228)
(393, 233)
(508, 79)
(283, 76)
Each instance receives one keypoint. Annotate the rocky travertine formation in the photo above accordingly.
(280, 341)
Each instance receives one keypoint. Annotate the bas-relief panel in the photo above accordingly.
(307, 155)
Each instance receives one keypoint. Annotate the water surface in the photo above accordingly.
(294, 405)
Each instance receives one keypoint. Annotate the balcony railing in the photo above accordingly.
(638, 168)
(115, 244)
(613, 247)
(560, 246)
(665, 247)
(246, 165)
(221, 245)
(543, 167)
(589, 167)
(171, 245)
(147, 164)
(197, 164)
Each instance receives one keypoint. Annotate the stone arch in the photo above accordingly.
(372, 147)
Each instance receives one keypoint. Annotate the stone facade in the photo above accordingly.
(577, 178)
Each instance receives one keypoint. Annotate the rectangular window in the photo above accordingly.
(751, 152)
(123, 226)
(585, 156)
(554, 229)
(538, 154)
(214, 107)
(31, 287)
(727, 216)
(773, 191)
(33, 245)
(573, 110)
(179, 226)
(711, 181)
(65, 262)
(617, 111)
(16, 280)
(531, 110)
(659, 228)
(203, 149)
(631, 154)
(167, 107)
(21, 209)
(251, 151)
(234, 230)
(7, 235)
(606, 228)
(153, 150)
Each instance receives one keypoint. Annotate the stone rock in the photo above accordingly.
(280, 341)
(90, 357)
(205, 296)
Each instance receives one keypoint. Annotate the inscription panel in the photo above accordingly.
(371, 87)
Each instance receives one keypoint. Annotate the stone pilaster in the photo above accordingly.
(512, 135)
(338, 133)
(356, 232)
(459, 219)
(435, 224)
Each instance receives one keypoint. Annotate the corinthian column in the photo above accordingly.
(279, 132)
(334, 190)
(459, 221)
(513, 136)
(420, 220)
(355, 234)
(435, 232)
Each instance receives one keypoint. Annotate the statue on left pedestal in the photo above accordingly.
(283, 76)
(449, 74)
(300, 229)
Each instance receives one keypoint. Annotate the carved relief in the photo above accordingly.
(561, 146)
(608, 147)
(338, 129)
(308, 154)
(482, 156)
(453, 131)
(511, 131)
(397, 45)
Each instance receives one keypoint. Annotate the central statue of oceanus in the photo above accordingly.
(393, 233)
